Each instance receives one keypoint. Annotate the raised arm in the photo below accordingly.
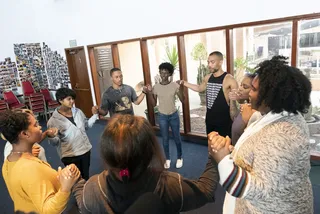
(180, 93)
(197, 88)
(89, 122)
(140, 98)
(53, 139)
(43, 193)
(104, 108)
(232, 97)
(183, 194)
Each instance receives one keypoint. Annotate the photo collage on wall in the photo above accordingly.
(56, 67)
(30, 64)
(8, 76)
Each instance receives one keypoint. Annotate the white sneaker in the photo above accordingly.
(179, 163)
(167, 164)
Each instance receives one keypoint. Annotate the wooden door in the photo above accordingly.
(79, 78)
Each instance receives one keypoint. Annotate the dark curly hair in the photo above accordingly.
(282, 87)
(129, 142)
(62, 93)
(167, 66)
(12, 123)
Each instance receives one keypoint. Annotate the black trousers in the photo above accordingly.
(222, 130)
(81, 161)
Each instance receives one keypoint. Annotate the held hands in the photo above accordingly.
(235, 94)
(246, 111)
(35, 150)
(180, 82)
(51, 132)
(68, 177)
(147, 89)
(95, 110)
(219, 146)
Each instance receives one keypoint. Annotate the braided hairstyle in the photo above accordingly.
(282, 87)
(12, 123)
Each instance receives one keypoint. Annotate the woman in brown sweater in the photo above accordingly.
(134, 166)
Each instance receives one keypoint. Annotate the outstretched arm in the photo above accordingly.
(180, 93)
(197, 88)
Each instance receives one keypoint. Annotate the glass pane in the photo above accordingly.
(131, 67)
(309, 63)
(198, 47)
(104, 63)
(251, 45)
(164, 50)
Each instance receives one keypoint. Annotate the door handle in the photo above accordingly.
(76, 86)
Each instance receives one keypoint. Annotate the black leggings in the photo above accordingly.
(81, 161)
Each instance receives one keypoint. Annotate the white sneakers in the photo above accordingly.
(167, 164)
(179, 164)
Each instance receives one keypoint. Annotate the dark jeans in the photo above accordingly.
(173, 121)
(81, 161)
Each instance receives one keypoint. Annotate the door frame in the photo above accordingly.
(71, 66)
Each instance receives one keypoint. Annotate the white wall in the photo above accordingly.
(58, 21)
(94, 21)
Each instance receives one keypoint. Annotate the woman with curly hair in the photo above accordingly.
(268, 171)
(32, 184)
(37, 150)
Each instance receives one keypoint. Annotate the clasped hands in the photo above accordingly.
(68, 176)
(219, 146)
(148, 88)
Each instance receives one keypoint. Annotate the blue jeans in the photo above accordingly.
(173, 121)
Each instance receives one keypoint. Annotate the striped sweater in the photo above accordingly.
(270, 172)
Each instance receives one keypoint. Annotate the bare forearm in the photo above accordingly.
(181, 94)
(103, 112)
(152, 99)
(234, 111)
(193, 87)
(140, 98)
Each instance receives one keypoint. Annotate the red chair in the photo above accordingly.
(3, 106)
(12, 100)
(37, 104)
(51, 104)
(27, 89)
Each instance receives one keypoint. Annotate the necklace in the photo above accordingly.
(13, 152)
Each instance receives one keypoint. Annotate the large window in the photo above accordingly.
(252, 45)
(309, 61)
(198, 47)
(164, 50)
(131, 66)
